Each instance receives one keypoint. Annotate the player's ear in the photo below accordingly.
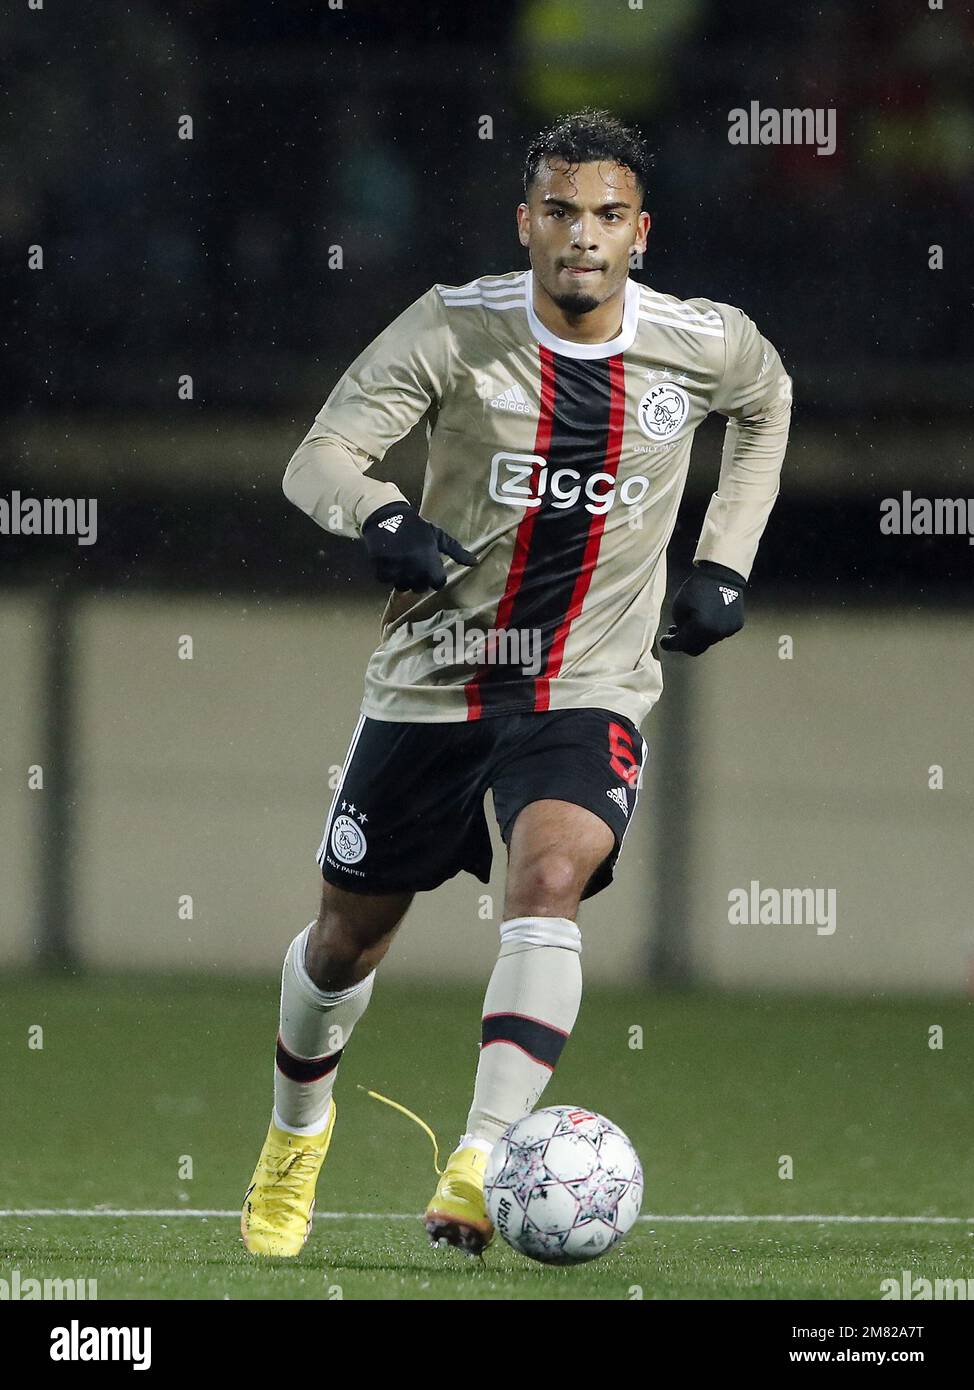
(523, 224)
(644, 224)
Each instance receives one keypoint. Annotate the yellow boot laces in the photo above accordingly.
(422, 1124)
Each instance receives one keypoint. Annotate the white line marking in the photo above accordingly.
(199, 1212)
(416, 1216)
(847, 1220)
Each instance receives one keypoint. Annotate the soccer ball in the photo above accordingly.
(563, 1185)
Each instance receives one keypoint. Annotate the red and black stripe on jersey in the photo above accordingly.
(556, 549)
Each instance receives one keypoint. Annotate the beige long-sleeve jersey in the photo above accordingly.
(561, 466)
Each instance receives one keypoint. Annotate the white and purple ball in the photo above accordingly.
(563, 1185)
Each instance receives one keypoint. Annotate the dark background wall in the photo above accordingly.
(360, 127)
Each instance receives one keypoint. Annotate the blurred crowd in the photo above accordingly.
(338, 168)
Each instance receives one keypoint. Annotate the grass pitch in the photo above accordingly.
(140, 1080)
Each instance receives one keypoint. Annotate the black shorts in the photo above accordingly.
(408, 812)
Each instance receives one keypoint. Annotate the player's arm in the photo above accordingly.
(755, 394)
(326, 478)
(386, 390)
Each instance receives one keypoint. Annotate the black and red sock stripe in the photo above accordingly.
(556, 549)
(542, 1042)
(305, 1068)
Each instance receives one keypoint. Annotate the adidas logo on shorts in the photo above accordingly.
(618, 795)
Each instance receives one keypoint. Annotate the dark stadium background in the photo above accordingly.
(359, 126)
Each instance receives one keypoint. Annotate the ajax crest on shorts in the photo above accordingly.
(348, 842)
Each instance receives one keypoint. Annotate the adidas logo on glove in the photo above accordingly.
(729, 595)
(391, 523)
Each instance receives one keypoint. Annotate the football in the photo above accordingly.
(563, 1185)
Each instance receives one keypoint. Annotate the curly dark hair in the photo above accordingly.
(587, 136)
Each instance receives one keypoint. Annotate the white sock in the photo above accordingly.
(315, 1026)
(530, 1008)
(471, 1141)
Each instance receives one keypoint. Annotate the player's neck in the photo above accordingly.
(600, 326)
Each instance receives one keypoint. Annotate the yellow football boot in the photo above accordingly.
(457, 1213)
(280, 1201)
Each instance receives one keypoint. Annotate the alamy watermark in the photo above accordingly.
(493, 646)
(50, 516)
(81, 1343)
(767, 125)
(907, 515)
(782, 907)
(919, 1290)
(23, 1289)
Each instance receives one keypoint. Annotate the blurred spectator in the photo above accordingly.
(316, 127)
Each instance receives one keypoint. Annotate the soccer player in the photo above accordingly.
(517, 647)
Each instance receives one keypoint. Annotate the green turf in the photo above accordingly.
(137, 1073)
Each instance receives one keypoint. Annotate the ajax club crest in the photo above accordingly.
(348, 840)
(662, 412)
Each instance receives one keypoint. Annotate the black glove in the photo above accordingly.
(405, 549)
(706, 609)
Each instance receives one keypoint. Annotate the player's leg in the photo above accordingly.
(554, 849)
(351, 935)
(535, 989)
(326, 985)
(563, 810)
(531, 1003)
(566, 802)
(407, 814)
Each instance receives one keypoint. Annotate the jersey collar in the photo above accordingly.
(621, 343)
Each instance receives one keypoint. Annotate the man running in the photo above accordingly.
(517, 649)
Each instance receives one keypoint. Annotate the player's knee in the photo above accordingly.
(342, 949)
(550, 883)
(343, 931)
(349, 921)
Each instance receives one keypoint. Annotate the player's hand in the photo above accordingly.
(405, 549)
(706, 609)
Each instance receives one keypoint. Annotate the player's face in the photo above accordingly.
(579, 224)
